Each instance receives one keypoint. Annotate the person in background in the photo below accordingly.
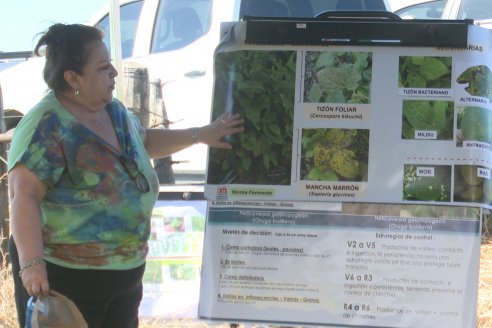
(81, 183)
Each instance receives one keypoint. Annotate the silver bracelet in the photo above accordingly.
(31, 263)
(194, 137)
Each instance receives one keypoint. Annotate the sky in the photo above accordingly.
(22, 20)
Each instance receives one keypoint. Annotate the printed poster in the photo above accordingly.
(354, 197)
(355, 123)
(350, 265)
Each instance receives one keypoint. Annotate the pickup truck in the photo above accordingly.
(9, 59)
(175, 40)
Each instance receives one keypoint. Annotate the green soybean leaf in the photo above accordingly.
(434, 68)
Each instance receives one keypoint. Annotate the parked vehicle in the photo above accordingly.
(175, 40)
(478, 10)
(9, 59)
(419, 9)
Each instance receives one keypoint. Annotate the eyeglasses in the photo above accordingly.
(132, 169)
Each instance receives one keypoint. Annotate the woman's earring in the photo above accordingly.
(77, 92)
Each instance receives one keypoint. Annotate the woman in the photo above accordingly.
(81, 183)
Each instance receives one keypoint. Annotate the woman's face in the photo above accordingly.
(97, 80)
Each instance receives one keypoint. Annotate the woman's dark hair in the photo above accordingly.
(66, 49)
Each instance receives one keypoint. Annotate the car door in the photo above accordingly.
(180, 55)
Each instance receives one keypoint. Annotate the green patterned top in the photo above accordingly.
(94, 216)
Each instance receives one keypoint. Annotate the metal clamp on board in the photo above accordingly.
(358, 29)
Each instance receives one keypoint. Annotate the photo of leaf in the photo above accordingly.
(260, 86)
(424, 72)
(428, 115)
(474, 124)
(419, 187)
(478, 81)
(338, 77)
(469, 186)
(335, 154)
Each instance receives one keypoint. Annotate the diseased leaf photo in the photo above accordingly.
(478, 81)
(338, 77)
(427, 187)
(424, 72)
(474, 124)
(428, 115)
(259, 85)
(470, 185)
(335, 154)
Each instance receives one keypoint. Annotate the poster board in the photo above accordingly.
(358, 185)
(327, 265)
(355, 124)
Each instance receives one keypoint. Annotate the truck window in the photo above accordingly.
(475, 9)
(277, 8)
(129, 15)
(304, 8)
(179, 23)
(426, 10)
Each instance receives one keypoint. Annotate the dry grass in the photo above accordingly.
(8, 314)
(8, 317)
(484, 308)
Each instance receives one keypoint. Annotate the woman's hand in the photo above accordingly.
(226, 124)
(160, 143)
(35, 280)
